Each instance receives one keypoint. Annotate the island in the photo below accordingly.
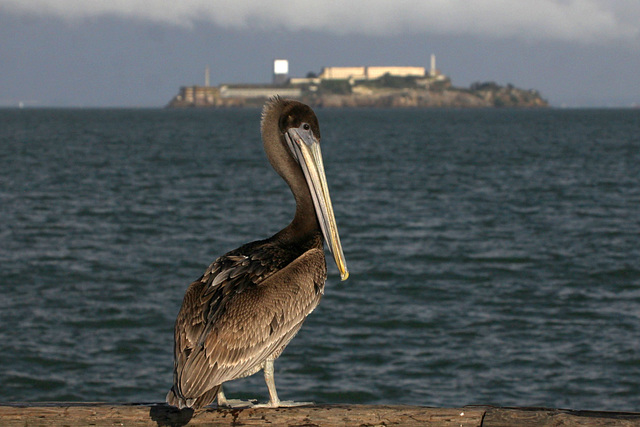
(361, 86)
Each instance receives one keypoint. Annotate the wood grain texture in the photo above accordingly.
(114, 414)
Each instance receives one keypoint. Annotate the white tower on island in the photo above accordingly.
(206, 77)
(432, 70)
(280, 71)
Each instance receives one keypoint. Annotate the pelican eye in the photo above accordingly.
(306, 126)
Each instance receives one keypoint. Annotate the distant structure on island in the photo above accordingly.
(280, 72)
(358, 86)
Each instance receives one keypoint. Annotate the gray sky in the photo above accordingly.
(139, 52)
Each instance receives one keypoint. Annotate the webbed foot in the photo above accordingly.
(237, 403)
(282, 404)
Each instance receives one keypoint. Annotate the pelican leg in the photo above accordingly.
(223, 402)
(274, 401)
(222, 399)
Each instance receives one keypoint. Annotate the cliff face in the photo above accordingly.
(477, 96)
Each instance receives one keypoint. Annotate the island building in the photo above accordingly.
(294, 87)
(363, 73)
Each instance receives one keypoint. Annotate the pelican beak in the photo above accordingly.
(306, 149)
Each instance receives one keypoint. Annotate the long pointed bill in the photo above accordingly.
(307, 151)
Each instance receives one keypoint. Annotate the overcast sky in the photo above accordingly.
(139, 52)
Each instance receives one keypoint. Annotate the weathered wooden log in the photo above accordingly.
(537, 417)
(111, 414)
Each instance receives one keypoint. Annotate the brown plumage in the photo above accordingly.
(239, 316)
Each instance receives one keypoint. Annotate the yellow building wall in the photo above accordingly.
(370, 73)
(377, 72)
(335, 73)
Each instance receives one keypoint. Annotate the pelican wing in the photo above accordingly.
(243, 310)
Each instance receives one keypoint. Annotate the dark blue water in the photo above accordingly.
(494, 254)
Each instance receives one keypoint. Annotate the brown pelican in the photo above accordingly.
(239, 316)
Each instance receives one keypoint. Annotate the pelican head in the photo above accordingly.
(291, 136)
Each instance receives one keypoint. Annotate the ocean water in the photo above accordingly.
(494, 254)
